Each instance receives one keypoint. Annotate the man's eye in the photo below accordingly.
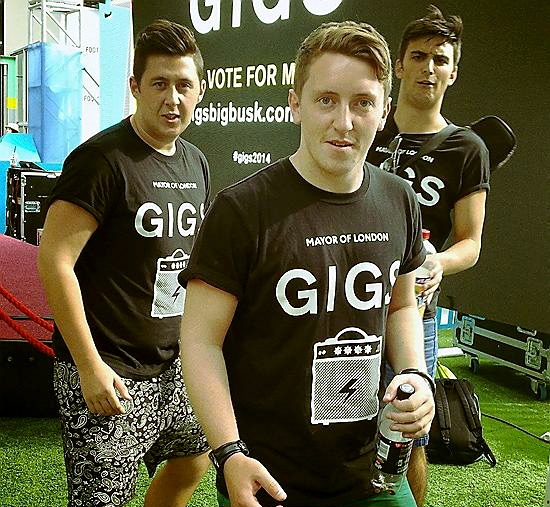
(325, 100)
(366, 104)
(183, 87)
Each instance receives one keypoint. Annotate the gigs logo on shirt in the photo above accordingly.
(429, 185)
(296, 301)
(152, 221)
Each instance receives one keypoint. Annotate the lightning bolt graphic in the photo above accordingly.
(348, 389)
(176, 293)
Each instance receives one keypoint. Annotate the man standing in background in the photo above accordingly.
(451, 182)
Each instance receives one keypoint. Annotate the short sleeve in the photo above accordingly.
(89, 181)
(476, 172)
(415, 253)
(221, 254)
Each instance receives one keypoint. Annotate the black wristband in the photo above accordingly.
(219, 456)
(423, 374)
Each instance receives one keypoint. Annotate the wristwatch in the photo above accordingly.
(423, 374)
(219, 456)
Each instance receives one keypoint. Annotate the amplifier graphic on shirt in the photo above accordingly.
(346, 376)
(169, 295)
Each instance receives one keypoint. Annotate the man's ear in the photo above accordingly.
(134, 87)
(203, 90)
(453, 76)
(294, 103)
(387, 108)
(398, 69)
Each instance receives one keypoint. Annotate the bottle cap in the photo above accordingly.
(405, 391)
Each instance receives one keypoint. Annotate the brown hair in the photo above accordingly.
(163, 37)
(349, 38)
(434, 24)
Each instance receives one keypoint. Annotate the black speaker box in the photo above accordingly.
(27, 195)
(26, 388)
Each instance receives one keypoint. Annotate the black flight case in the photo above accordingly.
(28, 190)
(524, 350)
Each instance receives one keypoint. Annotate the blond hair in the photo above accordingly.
(348, 38)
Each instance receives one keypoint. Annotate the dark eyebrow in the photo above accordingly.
(436, 56)
(443, 58)
(166, 79)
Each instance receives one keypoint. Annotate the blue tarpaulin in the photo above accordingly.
(115, 51)
(55, 99)
(23, 146)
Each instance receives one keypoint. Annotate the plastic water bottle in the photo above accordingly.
(422, 273)
(393, 450)
(14, 162)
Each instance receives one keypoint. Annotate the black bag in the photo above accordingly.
(498, 137)
(456, 434)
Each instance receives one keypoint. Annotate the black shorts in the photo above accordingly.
(103, 453)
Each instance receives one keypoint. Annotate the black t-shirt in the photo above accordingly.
(149, 207)
(313, 272)
(457, 168)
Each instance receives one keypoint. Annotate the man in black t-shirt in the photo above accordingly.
(451, 182)
(300, 287)
(119, 229)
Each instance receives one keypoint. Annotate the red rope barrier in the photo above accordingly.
(25, 309)
(42, 347)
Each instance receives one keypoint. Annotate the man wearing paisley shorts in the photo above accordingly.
(120, 226)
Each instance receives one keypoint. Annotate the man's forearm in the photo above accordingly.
(65, 299)
(203, 362)
(66, 231)
(460, 256)
(205, 378)
(405, 339)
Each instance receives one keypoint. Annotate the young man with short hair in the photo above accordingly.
(306, 268)
(451, 182)
(120, 227)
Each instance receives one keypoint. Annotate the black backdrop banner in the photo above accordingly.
(243, 122)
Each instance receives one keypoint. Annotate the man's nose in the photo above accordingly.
(172, 96)
(430, 66)
(343, 122)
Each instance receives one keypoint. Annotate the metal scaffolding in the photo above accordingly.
(50, 19)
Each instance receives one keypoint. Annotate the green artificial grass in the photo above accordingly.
(519, 479)
(32, 472)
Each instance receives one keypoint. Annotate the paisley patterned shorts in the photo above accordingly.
(102, 454)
